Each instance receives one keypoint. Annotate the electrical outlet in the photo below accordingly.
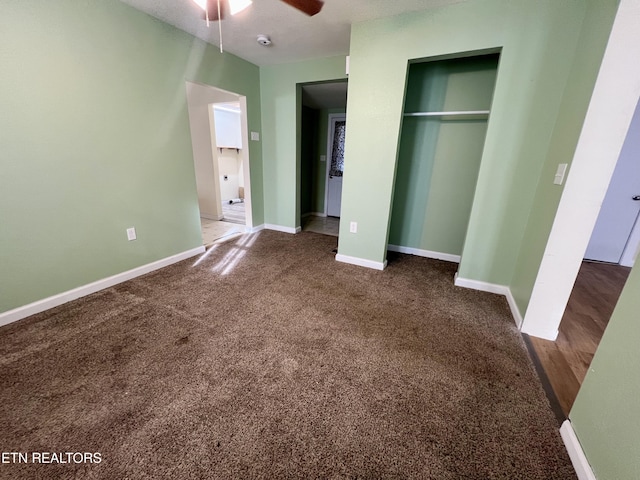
(323, 158)
(131, 233)
(353, 227)
(255, 136)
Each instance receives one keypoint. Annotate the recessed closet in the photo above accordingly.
(446, 111)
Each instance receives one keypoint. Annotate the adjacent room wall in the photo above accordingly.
(281, 132)
(606, 413)
(538, 41)
(94, 135)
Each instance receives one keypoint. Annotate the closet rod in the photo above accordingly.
(441, 114)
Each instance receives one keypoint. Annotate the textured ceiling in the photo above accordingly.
(295, 36)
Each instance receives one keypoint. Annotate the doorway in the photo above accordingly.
(217, 147)
(322, 106)
(611, 252)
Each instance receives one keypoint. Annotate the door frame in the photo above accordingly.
(333, 118)
(200, 108)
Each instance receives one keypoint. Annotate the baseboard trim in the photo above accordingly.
(361, 262)
(19, 313)
(544, 334)
(217, 218)
(256, 229)
(447, 257)
(492, 288)
(318, 214)
(576, 454)
(280, 228)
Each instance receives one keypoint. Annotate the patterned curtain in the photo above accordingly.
(337, 154)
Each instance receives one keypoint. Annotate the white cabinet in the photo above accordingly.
(227, 127)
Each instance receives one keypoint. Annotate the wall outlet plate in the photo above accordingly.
(255, 136)
(353, 227)
(131, 233)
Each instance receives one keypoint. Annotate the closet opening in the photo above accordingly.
(446, 111)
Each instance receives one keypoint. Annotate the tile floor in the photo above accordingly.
(213, 230)
(324, 225)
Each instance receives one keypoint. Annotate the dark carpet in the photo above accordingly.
(266, 358)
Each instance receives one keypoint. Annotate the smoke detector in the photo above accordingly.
(264, 40)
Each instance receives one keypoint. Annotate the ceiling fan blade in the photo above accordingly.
(212, 8)
(310, 7)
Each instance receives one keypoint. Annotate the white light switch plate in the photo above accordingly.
(353, 227)
(559, 178)
(131, 233)
(323, 158)
(255, 136)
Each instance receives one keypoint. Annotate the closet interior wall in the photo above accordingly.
(446, 111)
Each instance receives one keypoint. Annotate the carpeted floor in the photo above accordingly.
(266, 358)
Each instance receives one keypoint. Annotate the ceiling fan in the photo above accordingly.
(219, 9)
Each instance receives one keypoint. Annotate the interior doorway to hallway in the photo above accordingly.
(322, 111)
(612, 251)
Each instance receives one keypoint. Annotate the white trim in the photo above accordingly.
(448, 257)
(361, 262)
(318, 214)
(256, 229)
(576, 454)
(493, 288)
(64, 297)
(280, 228)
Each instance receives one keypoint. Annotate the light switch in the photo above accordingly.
(559, 178)
(131, 233)
(323, 158)
(255, 136)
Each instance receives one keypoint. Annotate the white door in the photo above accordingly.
(335, 164)
(621, 205)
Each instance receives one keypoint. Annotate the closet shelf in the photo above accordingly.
(443, 114)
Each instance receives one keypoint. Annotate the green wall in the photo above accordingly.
(281, 123)
(538, 41)
(584, 69)
(95, 138)
(439, 157)
(606, 413)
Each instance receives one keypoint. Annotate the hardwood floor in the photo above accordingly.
(592, 301)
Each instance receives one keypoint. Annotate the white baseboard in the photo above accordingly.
(576, 454)
(280, 228)
(361, 262)
(540, 333)
(212, 217)
(64, 297)
(318, 214)
(492, 288)
(256, 229)
(425, 253)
